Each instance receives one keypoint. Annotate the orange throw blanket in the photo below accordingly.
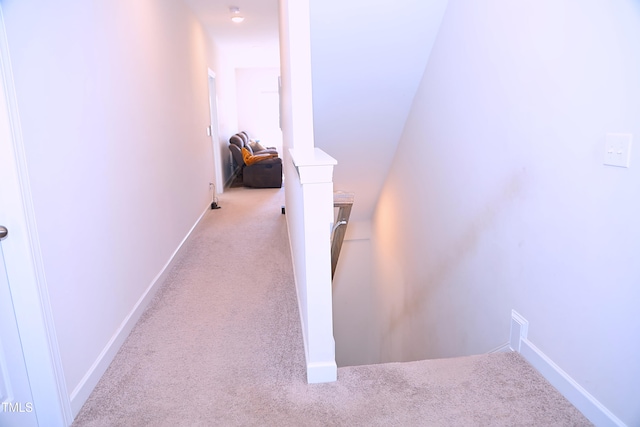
(250, 159)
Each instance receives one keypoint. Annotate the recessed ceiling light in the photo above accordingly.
(235, 14)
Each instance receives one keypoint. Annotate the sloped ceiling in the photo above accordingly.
(368, 58)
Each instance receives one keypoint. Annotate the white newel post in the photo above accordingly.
(315, 170)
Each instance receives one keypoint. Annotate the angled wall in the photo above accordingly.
(367, 60)
(113, 101)
(498, 198)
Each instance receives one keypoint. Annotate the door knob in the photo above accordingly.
(3, 232)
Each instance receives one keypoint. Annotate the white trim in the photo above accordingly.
(25, 267)
(315, 308)
(504, 348)
(316, 372)
(313, 167)
(324, 372)
(218, 176)
(519, 330)
(300, 306)
(590, 407)
(82, 391)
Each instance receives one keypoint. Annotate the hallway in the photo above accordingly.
(225, 322)
(221, 344)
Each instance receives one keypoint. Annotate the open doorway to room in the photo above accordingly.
(259, 104)
(250, 41)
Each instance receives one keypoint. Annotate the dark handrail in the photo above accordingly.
(343, 201)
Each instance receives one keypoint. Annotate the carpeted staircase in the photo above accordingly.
(221, 345)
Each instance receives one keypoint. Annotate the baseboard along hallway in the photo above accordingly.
(221, 344)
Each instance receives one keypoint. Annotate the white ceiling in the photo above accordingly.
(258, 33)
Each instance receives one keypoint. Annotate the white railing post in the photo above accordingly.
(313, 260)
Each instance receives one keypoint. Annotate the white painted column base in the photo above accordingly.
(313, 270)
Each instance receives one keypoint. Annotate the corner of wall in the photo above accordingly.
(590, 407)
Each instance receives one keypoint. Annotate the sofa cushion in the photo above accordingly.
(237, 141)
(255, 146)
(237, 155)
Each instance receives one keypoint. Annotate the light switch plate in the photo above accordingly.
(617, 149)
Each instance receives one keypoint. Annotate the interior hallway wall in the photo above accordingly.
(113, 101)
(227, 107)
(354, 299)
(259, 105)
(366, 69)
(498, 198)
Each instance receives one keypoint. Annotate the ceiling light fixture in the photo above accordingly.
(235, 14)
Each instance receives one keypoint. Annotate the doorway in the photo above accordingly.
(218, 180)
(16, 402)
(32, 384)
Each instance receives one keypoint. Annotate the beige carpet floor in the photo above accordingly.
(221, 345)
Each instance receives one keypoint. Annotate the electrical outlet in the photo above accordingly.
(617, 149)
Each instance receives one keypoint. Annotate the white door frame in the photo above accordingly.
(218, 179)
(15, 390)
(23, 261)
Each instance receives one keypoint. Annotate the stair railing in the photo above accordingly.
(343, 201)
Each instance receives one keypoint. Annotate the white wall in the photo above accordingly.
(113, 103)
(367, 60)
(498, 198)
(354, 299)
(227, 106)
(366, 70)
(309, 194)
(259, 104)
(292, 66)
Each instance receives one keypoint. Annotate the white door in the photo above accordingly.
(16, 404)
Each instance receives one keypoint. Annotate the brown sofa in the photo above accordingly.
(266, 172)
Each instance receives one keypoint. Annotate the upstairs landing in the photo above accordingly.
(221, 344)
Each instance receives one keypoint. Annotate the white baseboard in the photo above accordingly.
(81, 393)
(519, 330)
(504, 348)
(322, 372)
(595, 411)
